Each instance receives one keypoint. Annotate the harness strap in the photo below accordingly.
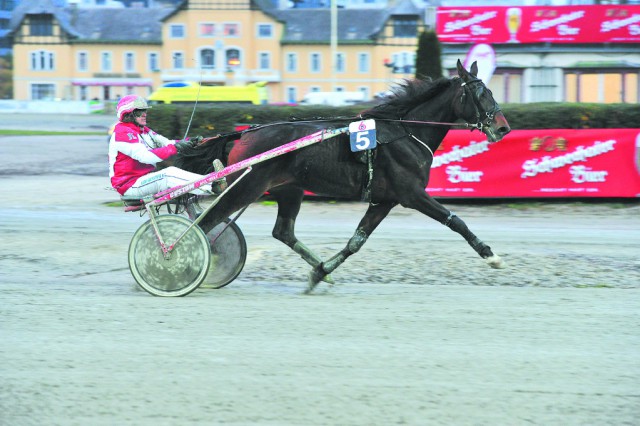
(422, 143)
(366, 192)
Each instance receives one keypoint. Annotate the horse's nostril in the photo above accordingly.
(503, 130)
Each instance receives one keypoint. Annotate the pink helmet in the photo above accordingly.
(129, 103)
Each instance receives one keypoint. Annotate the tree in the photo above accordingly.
(428, 56)
(6, 77)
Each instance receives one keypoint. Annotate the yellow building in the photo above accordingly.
(82, 54)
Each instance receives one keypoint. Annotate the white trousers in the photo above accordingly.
(155, 182)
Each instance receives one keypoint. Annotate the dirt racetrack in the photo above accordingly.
(417, 331)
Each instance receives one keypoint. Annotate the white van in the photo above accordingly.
(332, 98)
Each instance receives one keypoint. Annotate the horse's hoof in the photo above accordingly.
(315, 276)
(310, 286)
(496, 262)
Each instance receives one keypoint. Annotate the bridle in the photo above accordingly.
(490, 114)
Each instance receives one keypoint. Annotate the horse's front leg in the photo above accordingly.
(372, 218)
(427, 205)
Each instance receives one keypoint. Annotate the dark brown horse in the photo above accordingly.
(410, 127)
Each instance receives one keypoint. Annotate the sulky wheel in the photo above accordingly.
(228, 255)
(185, 268)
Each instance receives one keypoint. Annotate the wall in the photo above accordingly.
(50, 107)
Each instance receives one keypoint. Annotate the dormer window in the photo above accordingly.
(41, 25)
(405, 26)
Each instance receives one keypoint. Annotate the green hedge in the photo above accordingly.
(208, 120)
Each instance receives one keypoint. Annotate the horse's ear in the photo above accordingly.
(474, 69)
(461, 70)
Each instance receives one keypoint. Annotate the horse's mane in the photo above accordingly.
(406, 96)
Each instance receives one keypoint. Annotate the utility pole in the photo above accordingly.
(334, 42)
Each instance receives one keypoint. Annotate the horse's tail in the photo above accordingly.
(199, 159)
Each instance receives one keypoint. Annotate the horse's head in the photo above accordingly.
(476, 105)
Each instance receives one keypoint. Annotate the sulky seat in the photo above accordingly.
(132, 204)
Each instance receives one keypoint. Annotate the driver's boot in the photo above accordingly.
(219, 185)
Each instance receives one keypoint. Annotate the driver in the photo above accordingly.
(135, 149)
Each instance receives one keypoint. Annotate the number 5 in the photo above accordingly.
(362, 140)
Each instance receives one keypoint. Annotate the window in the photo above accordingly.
(231, 30)
(41, 25)
(83, 61)
(405, 27)
(43, 92)
(364, 62)
(82, 93)
(153, 62)
(506, 85)
(601, 85)
(178, 60)
(265, 31)
(41, 60)
(207, 59)
(129, 62)
(292, 95)
(314, 89)
(105, 61)
(176, 31)
(233, 58)
(340, 62)
(365, 92)
(292, 62)
(315, 65)
(207, 30)
(404, 63)
(264, 60)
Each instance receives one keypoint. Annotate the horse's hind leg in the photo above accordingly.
(289, 200)
(372, 218)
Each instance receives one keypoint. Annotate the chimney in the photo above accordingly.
(73, 10)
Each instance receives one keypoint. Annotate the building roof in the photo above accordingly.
(406, 7)
(98, 24)
(144, 25)
(314, 25)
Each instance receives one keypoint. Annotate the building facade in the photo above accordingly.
(81, 54)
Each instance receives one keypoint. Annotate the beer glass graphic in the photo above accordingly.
(514, 20)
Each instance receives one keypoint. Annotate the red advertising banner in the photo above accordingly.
(538, 164)
(539, 24)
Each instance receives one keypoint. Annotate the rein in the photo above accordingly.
(471, 126)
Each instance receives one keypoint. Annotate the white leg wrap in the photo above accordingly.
(496, 262)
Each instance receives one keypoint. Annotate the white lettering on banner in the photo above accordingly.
(459, 154)
(567, 30)
(478, 30)
(547, 164)
(548, 23)
(457, 174)
(463, 23)
(615, 24)
(583, 174)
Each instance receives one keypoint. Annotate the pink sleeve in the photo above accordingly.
(165, 151)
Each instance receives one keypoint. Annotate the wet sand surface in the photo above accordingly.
(417, 330)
